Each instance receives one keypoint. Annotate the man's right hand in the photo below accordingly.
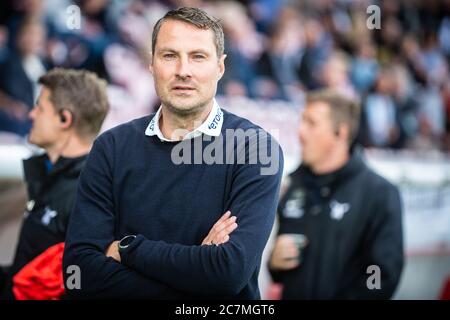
(285, 254)
(221, 230)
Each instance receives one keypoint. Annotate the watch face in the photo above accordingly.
(125, 242)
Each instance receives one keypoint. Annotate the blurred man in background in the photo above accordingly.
(67, 117)
(339, 221)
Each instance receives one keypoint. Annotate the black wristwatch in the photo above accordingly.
(125, 242)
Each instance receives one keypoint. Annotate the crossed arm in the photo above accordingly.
(219, 234)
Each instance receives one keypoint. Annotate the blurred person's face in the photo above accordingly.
(410, 47)
(317, 134)
(313, 32)
(31, 39)
(46, 128)
(93, 7)
(385, 83)
(30, 6)
(185, 67)
(391, 32)
(334, 73)
(367, 50)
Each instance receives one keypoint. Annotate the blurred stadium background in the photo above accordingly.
(277, 51)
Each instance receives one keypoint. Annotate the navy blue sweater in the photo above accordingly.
(130, 185)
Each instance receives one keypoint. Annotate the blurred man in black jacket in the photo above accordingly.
(66, 119)
(349, 218)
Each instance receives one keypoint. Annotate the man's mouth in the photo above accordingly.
(183, 88)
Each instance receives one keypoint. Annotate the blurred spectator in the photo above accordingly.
(407, 103)
(364, 66)
(412, 54)
(431, 115)
(277, 77)
(334, 74)
(83, 47)
(275, 50)
(318, 46)
(99, 30)
(243, 47)
(389, 40)
(380, 117)
(19, 75)
(18, 12)
(263, 11)
(434, 61)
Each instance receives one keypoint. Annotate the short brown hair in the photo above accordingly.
(343, 110)
(196, 17)
(82, 93)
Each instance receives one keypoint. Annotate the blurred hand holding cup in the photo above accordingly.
(287, 252)
(300, 241)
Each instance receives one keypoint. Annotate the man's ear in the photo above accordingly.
(343, 132)
(222, 65)
(66, 118)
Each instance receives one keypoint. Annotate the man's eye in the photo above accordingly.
(199, 57)
(307, 122)
(169, 56)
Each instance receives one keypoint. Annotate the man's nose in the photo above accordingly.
(184, 68)
(31, 113)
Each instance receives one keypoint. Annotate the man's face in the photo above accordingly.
(46, 121)
(185, 67)
(317, 134)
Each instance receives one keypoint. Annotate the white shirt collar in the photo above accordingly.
(212, 125)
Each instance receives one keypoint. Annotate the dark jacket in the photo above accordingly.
(352, 219)
(51, 191)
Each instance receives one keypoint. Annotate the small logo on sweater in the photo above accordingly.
(49, 214)
(338, 209)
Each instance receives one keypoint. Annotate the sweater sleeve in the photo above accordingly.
(91, 231)
(225, 269)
